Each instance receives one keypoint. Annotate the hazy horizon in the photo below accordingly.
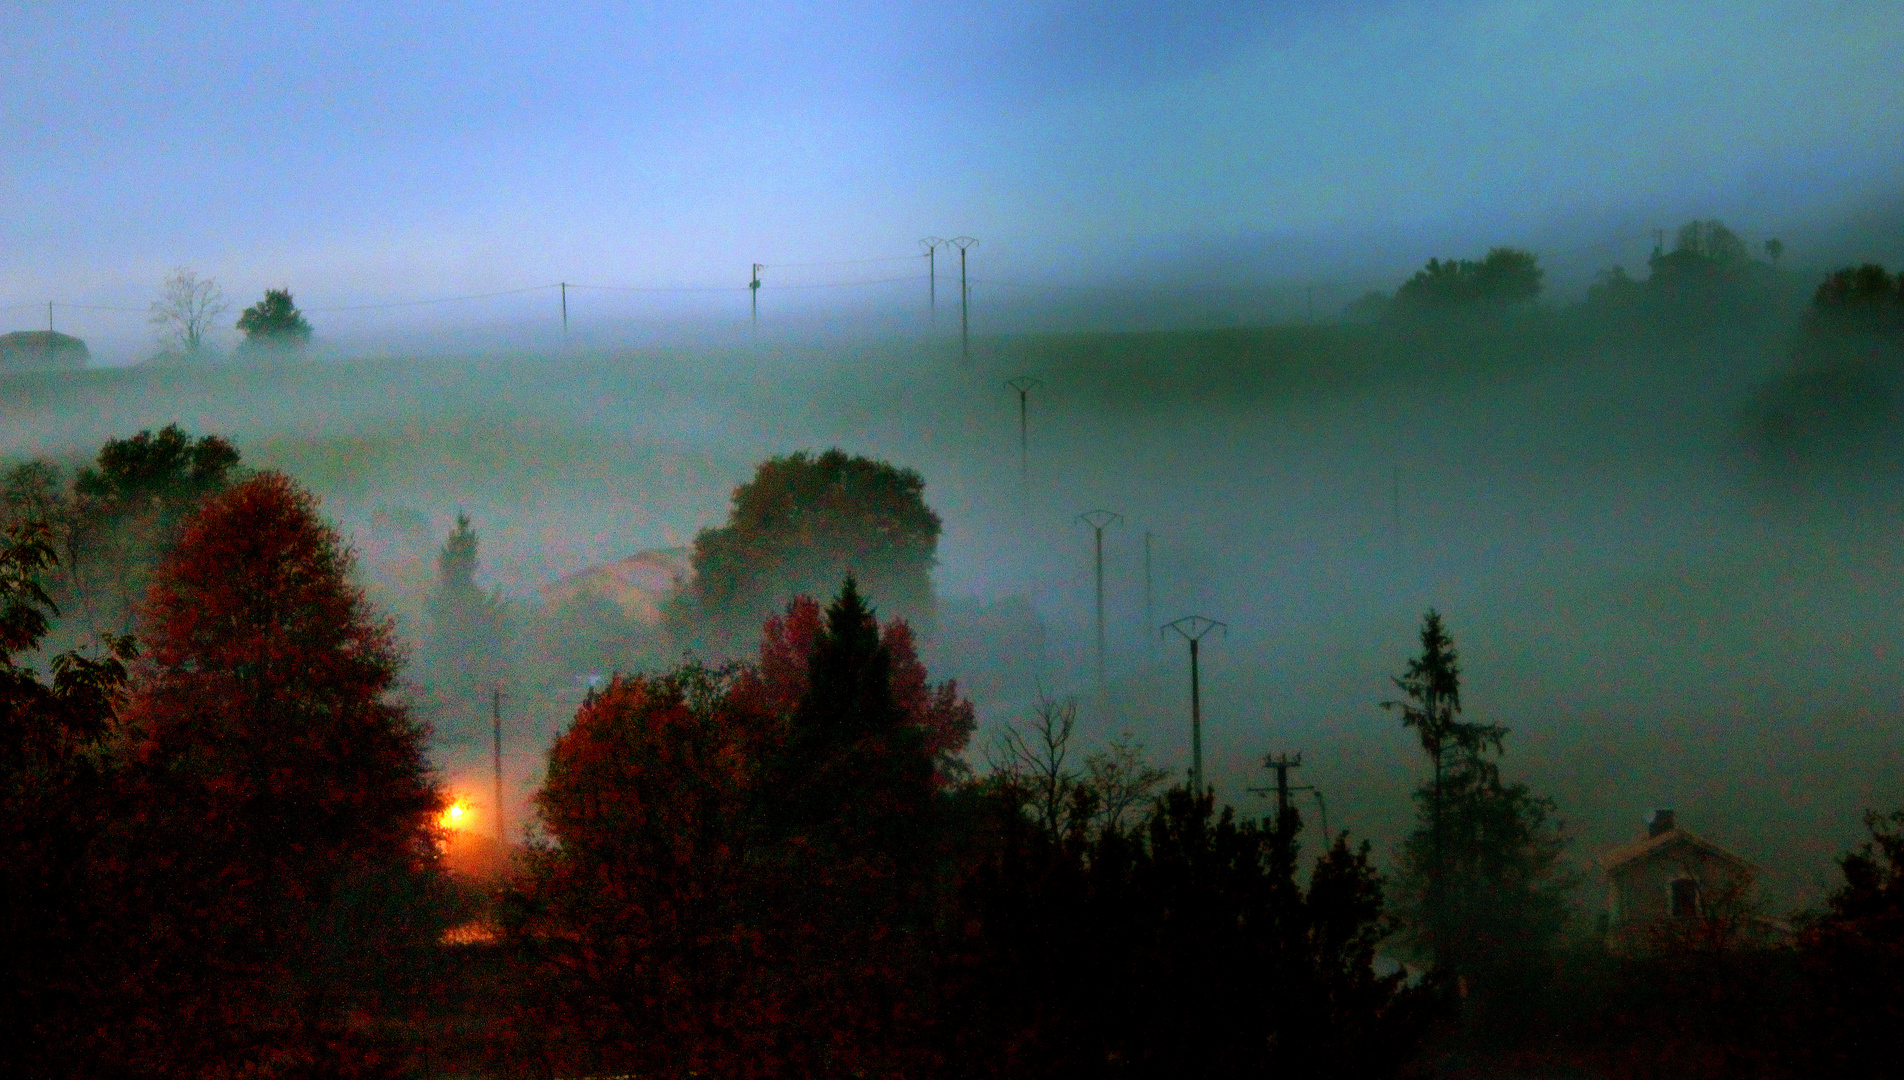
(374, 157)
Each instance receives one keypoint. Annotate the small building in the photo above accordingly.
(1675, 886)
(639, 585)
(33, 350)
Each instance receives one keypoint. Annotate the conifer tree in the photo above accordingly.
(467, 626)
(1481, 886)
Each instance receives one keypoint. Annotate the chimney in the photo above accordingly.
(1661, 821)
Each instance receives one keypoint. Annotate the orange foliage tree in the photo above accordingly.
(280, 815)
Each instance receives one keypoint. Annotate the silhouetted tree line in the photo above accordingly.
(223, 860)
(1839, 394)
(218, 842)
(781, 870)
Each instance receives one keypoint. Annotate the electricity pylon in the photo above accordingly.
(1097, 520)
(1192, 628)
(932, 244)
(965, 296)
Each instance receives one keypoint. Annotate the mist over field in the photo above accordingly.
(578, 340)
(1663, 612)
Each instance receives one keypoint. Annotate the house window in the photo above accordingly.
(1684, 898)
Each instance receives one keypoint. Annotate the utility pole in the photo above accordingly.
(1395, 506)
(565, 309)
(1024, 384)
(49, 316)
(1281, 766)
(495, 713)
(1192, 628)
(932, 244)
(754, 290)
(965, 296)
(1150, 611)
(1097, 520)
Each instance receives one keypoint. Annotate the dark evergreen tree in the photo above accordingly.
(274, 322)
(1186, 946)
(854, 773)
(744, 879)
(1481, 887)
(58, 779)
(1853, 956)
(468, 627)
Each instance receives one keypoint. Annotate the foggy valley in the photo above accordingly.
(1366, 543)
(1664, 612)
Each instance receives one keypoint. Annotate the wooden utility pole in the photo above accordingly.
(495, 713)
(753, 288)
(565, 309)
(1024, 384)
(1281, 766)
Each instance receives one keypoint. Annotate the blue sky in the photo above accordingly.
(362, 153)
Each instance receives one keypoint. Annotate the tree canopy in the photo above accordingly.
(276, 780)
(113, 522)
(804, 522)
(716, 831)
(1505, 276)
(274, 321)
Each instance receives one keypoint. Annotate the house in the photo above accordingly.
(638, 585)
(29, 350)
(1677, 888)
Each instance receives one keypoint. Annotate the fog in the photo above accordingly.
(523, 240)
(1664, 613)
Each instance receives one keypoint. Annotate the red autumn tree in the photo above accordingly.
(640, 913)
(281, 805)
(739, 875)
(777, 683)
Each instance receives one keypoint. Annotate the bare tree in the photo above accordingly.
(184, 311)
(1122, 778)
(1033, 758)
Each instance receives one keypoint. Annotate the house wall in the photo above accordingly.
(1641, 890)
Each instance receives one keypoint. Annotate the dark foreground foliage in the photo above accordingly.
(774, 871)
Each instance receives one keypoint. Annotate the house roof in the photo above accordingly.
(637, 584)
(1620, 856)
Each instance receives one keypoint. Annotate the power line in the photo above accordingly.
(438, 300)
(846, 284)
(841, 262)
(660, 288)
